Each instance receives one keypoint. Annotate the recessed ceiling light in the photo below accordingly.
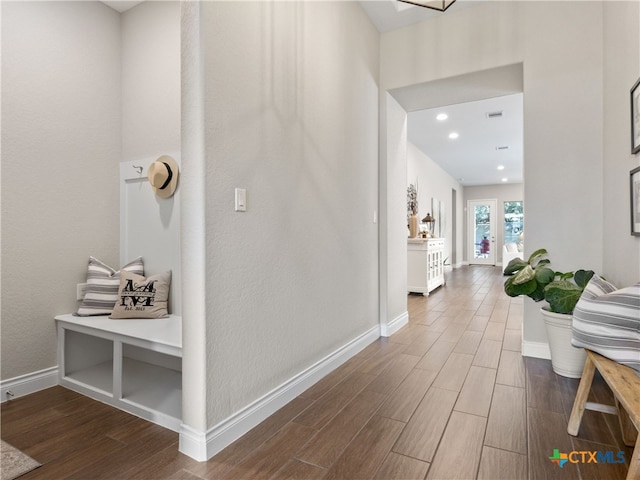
(453, 135)
(442, 116)
(500, 167)
(505, 179)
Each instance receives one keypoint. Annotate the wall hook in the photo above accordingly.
(139, 169)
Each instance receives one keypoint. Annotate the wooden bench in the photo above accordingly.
(625, 385)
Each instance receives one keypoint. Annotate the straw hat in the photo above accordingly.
(163, 176)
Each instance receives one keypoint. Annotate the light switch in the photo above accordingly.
(241, 200)
(81, 291)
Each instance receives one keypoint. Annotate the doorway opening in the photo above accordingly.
(399, 105)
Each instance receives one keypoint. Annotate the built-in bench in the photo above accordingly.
(625, 385)
(132, 364)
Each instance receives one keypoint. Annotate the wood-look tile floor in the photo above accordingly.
(447, 396)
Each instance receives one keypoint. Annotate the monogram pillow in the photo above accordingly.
(140, 297)
(102, 286)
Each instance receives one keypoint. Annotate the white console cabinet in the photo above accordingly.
(132, 364)
(425, 264)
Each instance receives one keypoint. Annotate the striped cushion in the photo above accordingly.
(607, 321)
(102, 286)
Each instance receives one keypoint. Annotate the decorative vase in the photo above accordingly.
(413, 226)
(566, 360)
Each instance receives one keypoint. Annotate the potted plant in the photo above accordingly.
(535, 279)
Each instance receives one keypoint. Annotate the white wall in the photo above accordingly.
(60, 151)
(291, 114)
(393, 211)
(151, 80)
(150, 128)
(511, 192)
(622, 69)
(434, 182)
(563, 157)
(195, 331)
(562, 54)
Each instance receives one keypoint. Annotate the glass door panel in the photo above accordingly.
(482, 231)
(513, 221)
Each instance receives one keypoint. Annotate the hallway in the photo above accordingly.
(448, 396)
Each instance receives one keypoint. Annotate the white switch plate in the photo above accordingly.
(81, 290)
(241, 200)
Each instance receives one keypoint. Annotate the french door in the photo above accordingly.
(482, 231)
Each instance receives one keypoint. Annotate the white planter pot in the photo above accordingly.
(566, 360)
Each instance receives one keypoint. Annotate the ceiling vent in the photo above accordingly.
(491, 115)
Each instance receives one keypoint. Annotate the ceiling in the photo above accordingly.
(121, 5)
(488, 150)
(472, 158)
(389, 14)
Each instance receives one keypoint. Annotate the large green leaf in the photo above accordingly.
(537, 293)
(515, 290)
(544, 275)
(562, 296)
(537, 254)
(582, 277)
(525, 275)
(514, 266)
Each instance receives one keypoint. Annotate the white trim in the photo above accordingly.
(29, 383)
(193, 228)
(193, 443)
(202, 446)
(388, 329)
(135, 171)
(536, 350)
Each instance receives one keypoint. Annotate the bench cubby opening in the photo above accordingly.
(134, 364)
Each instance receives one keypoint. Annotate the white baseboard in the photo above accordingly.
(29, 383)
(394, 325)
(193, 443)
(536, 350)
(201, 446)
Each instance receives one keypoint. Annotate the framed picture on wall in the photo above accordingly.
(635, 117)
(635, 201)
